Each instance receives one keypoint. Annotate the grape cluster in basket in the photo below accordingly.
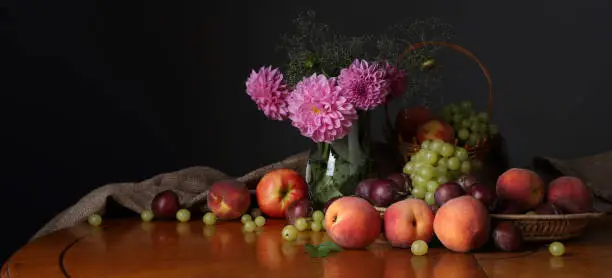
(471, 127)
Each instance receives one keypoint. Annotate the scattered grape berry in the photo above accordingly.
(260, 221)
(301, 224)
(317, 215)
(556, 249)
(289, 233)
(315, 226)
(183, 215)
(209, 218)
(146, 215)
(249, 226)
(419, 248)
(246, 218)
(95, 220)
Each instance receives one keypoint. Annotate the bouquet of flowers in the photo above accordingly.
(330, 85)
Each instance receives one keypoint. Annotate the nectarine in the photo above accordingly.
(521, 187)
(462, 224)
(228, 199)
(352, 222)
(407, 221)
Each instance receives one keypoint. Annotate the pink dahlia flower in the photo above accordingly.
(319, 110)
(398, 83)
(364, 85)
(267, 88)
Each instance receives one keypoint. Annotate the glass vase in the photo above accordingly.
(334, 169)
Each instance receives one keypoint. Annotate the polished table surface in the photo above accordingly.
(130, 248)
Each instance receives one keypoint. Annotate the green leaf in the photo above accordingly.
(322, 250)
(328, 245)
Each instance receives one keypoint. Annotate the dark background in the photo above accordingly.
(104, 91)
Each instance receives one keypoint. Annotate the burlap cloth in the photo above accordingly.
(191, 185)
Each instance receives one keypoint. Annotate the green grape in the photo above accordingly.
(419, 247)
(418, 165)
(466, 123)
(315, 226)
(431, 157)
(301, 224)
(419, 156)
(466, 167)
(441, 171)
(209, 218)
(249, 226)
(429, 198)
(436, 145)
(473, 140)
(94, 220)
(466, 105)
(442, 179)
(246, 218)
(419, 192)
(493, 130)
(483, 117)
(419, 180)
(476, 164)
(260, 221)
(447, 150)
(457, 118)
(442, 162)
(556, 249)
(461, 153)
(463, 134)
(454, 163)
(425, 144)
(432, 186)
(483, 128)
(183, 215)
(408, 168)
(453, 108)
(317, 215)
(289, 233)
(475, 127)
(146, 215)
(427, 172)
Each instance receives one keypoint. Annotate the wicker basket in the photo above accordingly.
(537, 228)
(409, 146)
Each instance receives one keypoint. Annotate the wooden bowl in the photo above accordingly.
(538, 227)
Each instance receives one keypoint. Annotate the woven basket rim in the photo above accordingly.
(548, 216)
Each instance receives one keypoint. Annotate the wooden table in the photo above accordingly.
(129, 248)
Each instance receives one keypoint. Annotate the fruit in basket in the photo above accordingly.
(407, 221)
(483, 193)
(408, 121)
(570, 194)
(507, 237)
(298, 209)
(447, 192)
(228, 199)
(278, 189)
(521, 187)
(165, 204)
(352, 223)
(462, 224)
(472, 127)
(383, 192)
(435, 129)
(437, 162)
(547, 208)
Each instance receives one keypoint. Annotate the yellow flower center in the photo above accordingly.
(316, 110)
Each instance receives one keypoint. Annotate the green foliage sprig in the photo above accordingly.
(314, 47)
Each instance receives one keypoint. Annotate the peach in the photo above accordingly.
(436, 129)
(352, 222)
(570, 194)
(407, 221)
(462, 224)
(228, 199)
(521, 187)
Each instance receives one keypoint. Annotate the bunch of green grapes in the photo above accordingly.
(470, 126)
(436, 163)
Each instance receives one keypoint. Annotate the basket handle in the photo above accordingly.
(459, 49)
